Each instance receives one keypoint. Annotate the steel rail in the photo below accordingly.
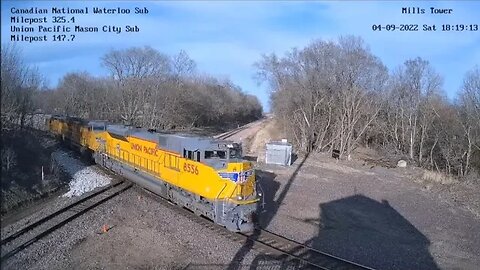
(83, 207)
(302, 252)
(262, 239)
(49, 217)
(232, 132)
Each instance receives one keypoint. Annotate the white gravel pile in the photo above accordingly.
(84, 179)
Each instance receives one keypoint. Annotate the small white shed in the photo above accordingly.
(279, 153)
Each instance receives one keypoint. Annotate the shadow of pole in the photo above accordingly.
(248, 245)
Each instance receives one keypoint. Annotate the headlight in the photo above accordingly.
(240, 197)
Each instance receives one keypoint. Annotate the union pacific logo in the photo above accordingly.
(146, 150)
(239, 177)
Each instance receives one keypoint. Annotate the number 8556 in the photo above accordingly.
(190, 168)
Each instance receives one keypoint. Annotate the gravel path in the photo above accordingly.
(374, 216)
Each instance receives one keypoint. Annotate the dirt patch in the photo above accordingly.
(100, 249)
(459, 191)
(323, 162)
(247, 136)
(372, 215)
(269, 132)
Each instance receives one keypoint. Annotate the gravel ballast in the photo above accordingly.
(142, 234)
(84, 178)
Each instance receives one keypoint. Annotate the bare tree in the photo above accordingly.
(361, 79)
(19, 82)
(300, 91)
(138, 72)
(9, 158)
(182, 66)
(325, 93)
(414, 85)
(150, 89)
(469, 116)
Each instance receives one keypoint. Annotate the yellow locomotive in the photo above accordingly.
(205, 175)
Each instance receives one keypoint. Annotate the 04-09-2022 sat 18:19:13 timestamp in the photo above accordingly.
(426, 27)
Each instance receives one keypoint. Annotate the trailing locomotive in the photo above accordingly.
(205, 175)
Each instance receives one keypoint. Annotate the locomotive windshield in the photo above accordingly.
(215, 154)
(235, 153)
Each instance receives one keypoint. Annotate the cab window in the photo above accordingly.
(215, 154)
(235, 153)
(192, 155)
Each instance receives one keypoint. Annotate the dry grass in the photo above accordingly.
(437, 177)
(324, 162)
(266, 134)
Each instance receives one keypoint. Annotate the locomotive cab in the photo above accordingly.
(235, 152)
(223, 154)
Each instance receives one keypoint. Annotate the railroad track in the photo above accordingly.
(272, 244)
(305, 255)
(30, 234)
(232, 132)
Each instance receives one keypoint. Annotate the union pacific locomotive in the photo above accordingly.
(205, 175)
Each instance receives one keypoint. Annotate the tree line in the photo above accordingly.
(338, 95)
(20, 81)
(144, 88)
(328, 95)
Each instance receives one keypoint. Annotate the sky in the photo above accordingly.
(226, 38)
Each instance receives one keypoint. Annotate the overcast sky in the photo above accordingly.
(227, 38)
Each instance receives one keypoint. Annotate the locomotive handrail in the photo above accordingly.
(128, 162)
(223, 204)
(224, 186)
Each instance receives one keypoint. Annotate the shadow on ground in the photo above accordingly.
(271, 205)
(356, 228)
(371, 233)
(250, 158)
